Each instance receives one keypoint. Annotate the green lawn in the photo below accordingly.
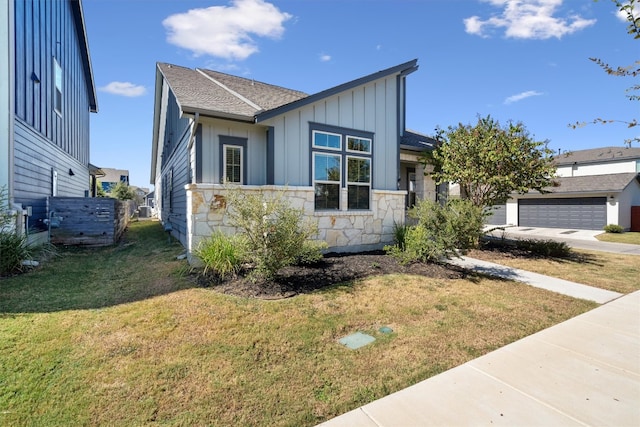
(628, 237)
(122, 336)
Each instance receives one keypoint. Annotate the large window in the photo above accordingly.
(341, 160)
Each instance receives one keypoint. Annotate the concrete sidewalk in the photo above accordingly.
(584, 371)
(560, 286)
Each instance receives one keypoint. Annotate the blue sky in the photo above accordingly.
(520, 60)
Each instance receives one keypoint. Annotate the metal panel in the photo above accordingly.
(498, 215)
(588, 213)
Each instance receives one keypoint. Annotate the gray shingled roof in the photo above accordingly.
(593, 183)
(224, 95)
(597, 155)
(416, 141)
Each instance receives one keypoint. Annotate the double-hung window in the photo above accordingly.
(341, 160)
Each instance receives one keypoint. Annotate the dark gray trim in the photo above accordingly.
(271, 157)
(237, 141)
(78, 16)
(322, 127)
(406, 68)
(198, 154)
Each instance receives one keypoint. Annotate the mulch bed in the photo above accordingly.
(332, 270)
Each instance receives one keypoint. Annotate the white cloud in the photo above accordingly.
(623, 15)
(124, 89)
(226, 31)
(521, 96)
(527, 19)
(324, 57)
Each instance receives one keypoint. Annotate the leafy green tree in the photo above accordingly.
(632, 15)
(122, 191)
(490, 162)
(99, 190)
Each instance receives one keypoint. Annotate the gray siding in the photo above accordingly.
(34, 160)
(255, 154)
(175, 169)
(44, 30)
(371, 108)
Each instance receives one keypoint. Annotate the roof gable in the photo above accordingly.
(598, 183)
(404, 69)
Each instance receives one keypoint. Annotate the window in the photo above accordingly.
(57, 89)
(327, 140)
(337, 165)
(232, 160)
(232, 164)
(358, 182)
(326, 175)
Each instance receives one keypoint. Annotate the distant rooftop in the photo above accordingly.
(596, 155)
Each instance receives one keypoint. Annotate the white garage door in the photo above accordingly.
(586, 213)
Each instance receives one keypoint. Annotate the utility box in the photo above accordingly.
(635, 218)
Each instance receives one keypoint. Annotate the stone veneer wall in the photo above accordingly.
(344, 231)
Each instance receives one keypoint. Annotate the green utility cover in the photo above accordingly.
(356, 340)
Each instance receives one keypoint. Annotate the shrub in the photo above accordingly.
(222, 254)
(399, 235)
(276, 233)
(14, 250)
(311, 252)
(545, 248)
(441, 231)
(613, 228)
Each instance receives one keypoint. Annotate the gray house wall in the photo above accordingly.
(44, 139)
(175, 167)
(372, 108)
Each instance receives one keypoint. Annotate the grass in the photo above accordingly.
(627, 237)
(117, 336)
(615, 272)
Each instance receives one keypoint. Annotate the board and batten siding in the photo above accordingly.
(45, 30)
(372, 107)
(208, 150)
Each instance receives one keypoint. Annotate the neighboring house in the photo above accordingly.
(594, 188)
(46, 94)
(112, 177)
(342, 155)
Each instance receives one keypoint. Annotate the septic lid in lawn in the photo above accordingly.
(356, 340)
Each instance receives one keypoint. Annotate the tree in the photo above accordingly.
(626, 9)
(122, 191)
(490, 162)
(99, 190)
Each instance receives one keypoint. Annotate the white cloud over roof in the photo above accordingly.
(527, 19)
(226, 31)
(124, 89)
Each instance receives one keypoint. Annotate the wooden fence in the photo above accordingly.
(88, 221)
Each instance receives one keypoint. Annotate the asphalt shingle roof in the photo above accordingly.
(597, 155)
(416, 141)
(593, 183)
(218, 93)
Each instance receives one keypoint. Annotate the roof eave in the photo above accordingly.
(78, 15)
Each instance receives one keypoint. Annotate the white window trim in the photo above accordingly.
(359, 184)
(224, 162)
(357, 151)
(322, 147)
(321, 181)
